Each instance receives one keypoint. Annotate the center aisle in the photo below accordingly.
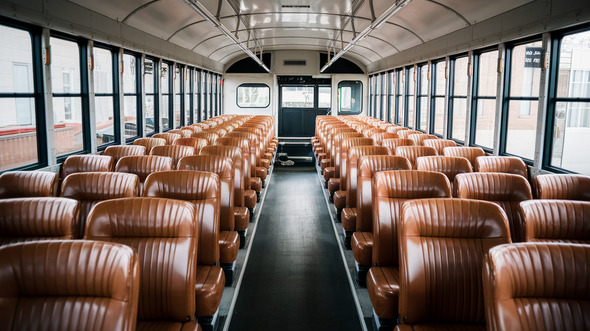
(295, 278)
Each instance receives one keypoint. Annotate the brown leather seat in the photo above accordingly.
(537, 286)
(143, 165)
(412, 153)
(451, 166)
(419, 138)
(196, 143)
(149, 143)
(74, 285)
(503, 164)
(175, 152)
(405, 134)
(229, 241)
(164, 233)
(442, 247)
(117, 152)
(394, 143)
(192, 128)
(379, 137)
(396, 129)
(507, 190)
(86, 163)
(348, 216)
(252, 187)
(556, 220)
(470, 153)
(241, 212)
(28, 219)
(209, 136)
(362, 239)
(90, 188)
(21, 184)
(202, 189)
(340, 195)
(439, 144)
(257, 170)
(562, 186)
(182, 133)
(390, 190)
(333, 175)
(169, 137)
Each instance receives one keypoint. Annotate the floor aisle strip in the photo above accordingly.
(350, 280)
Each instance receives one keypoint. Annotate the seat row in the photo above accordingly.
(213, 180)
(377, 183)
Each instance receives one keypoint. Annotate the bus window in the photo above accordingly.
(253, 96)
(350, 97)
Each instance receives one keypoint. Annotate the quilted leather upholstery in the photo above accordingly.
(149, 143)
(439, 144)
(394, 143)
(414, 152)
(86, 163)
(504, 164)
(169, 137)
(117, 152)
(567, 187)
(196, 143)
(448, 165)
(176, 152)
(556, 221)
(470, 153)
(17, 184)
(210, 136)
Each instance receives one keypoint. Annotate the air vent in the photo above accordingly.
(297, 6)
(295, 62)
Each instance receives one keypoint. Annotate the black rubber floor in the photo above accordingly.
(295, 278)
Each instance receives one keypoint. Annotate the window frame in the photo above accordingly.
(138, 90)
(115, 94)
(475, 97)
(419, 96)
(252, 85)
(452, 96)
(155, 94)
(434, 94)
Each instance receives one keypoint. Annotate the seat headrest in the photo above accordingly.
(221, 165)
(100, 186)
(370, 164)
(15, 184)
(182, 184)
(492, 186)
(411, 184)
(144, 165)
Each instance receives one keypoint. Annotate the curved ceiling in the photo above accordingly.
(299, 24)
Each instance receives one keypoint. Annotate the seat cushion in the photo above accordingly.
(260, 173)
(242, 218)
(340, 199)
(362, 247)
(326, 162)
(329, 173)
(349, 219)
(333, 184)
(208, 289)
(265, 161)
(256, 184)
(229, 244)
(383, 287)
(250, 198)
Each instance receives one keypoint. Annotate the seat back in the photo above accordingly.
(143, 166)
(442, 246)
(396, 129)
(21, 184)
(86, 163)
(390, 190)
(394, 143)
(196, 143)
(235, 153)
(380, 136)
(537, 286)
(254, 143)
(200, 188)
(337, 149)
(419, 138)
(412, 153)
(117, 152)
(169, 137)
(92, 187)
(556, 221)
(175, 152)
(28, 219)
(451, 166)
(223, 167)
(182, 133)
(368, 165)
(439, 144)
(507, 190)
(406, 133)
(470, 153)
(74, 285)
(346, 145)
(149, 143)
(562, 186)
(503, 164)
(211, 137)
(164, 233)
(244, 145)
(354, 153)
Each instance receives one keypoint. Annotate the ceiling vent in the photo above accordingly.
(295, 62)
(297, 6)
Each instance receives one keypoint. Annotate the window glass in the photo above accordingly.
(410, 103)
(187, 96)
(196, 95)
(458, 98)
(104, 99)
(571, 131)
(525, 77)
(423, 97)
(297, 97)
(67, 100)
(165, 91)
(438, 106)
(131, 98)
(177, 95)
(324, 97)
(390, 97)
(383, 97)
(204, 102)
(253, 96)
(150, 96)
(399, 96)
(350, 97)
(18, 134)
(485, 118)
